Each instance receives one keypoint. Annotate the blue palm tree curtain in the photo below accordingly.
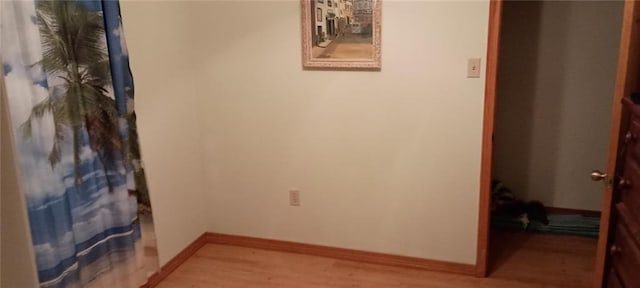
(70, 100)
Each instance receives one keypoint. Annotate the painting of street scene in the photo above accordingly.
(341, 34)
(342, 29)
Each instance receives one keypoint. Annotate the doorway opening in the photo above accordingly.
(556, 75)
(330, 28)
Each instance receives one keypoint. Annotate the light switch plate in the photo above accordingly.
(473, 68)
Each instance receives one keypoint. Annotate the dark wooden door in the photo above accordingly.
(618, 255)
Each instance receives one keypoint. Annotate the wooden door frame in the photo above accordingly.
(624, 86)
(493, 45)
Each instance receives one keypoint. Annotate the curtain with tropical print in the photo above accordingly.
(70, 100)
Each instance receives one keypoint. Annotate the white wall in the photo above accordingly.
(161, 51)
(385, 161)
(229, 123)
(556, 83)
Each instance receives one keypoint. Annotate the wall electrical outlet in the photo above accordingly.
(473, 68)
(294, 198)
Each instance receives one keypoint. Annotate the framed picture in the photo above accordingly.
(341, 34)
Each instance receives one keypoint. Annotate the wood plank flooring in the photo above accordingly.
(522, 260)
(545, 259)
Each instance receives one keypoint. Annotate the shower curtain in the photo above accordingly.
(70, 100)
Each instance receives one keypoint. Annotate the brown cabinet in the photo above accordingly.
(624, 244)
(614, 282)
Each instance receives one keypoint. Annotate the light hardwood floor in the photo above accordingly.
(522, 260)
(544, 259)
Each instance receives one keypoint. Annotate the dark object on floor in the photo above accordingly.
(525, 212)
(505, 204)
(536, 212)
(500, 194)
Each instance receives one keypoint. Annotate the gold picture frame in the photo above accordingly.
(347, 36)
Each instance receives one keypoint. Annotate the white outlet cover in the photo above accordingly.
(294, 198)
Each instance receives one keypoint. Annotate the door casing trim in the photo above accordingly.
(493, 45)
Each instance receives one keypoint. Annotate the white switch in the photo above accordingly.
(473, 68)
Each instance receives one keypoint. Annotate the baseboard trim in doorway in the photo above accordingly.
(570, 211)
(175, 262)
(341, 253)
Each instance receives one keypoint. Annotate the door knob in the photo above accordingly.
(598, 176)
